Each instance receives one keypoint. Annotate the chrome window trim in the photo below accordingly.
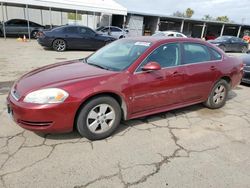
(180, 65)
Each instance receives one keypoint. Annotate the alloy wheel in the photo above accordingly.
(100, 118)
(219, 94)
(59, 45)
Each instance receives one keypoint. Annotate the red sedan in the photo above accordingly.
(126, 79)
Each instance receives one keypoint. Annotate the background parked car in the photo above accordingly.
(113, 31)
(20, 27)
(73, 37)
(230, 43)
(246, 69)
(169, 34)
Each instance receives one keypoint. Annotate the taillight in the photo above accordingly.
(242, 65)
(40, 34)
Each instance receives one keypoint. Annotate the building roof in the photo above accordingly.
(99, 6)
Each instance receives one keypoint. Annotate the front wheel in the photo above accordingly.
(99, 118)
(218, 95)
(223, 48)
(59, 45)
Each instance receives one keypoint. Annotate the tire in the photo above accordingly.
(121, 37)
(218, 95)
(244, 49)
(59, 45)
(99, 118)
(223, 48)
(34, 34)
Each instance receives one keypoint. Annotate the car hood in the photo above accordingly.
(57, 75)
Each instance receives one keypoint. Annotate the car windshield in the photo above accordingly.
(223, 38)
(118, 55)
(99, 28)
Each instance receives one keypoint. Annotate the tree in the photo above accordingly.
(207, 17)
(222, 19)
(189, 13)
(179, 14)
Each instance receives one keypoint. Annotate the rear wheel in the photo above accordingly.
(218, 95)
(34, 34)
(59, 45)
(244, 49)
(99, 118)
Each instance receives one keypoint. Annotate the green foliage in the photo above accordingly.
(208, 17)
(72, 16)
(223, 19)
(187, 14)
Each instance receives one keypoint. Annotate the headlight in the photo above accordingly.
(46, 96)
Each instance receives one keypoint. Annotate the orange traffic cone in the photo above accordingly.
(24, 38)
(19, 39)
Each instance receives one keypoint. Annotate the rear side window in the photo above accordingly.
(179, 35)
(195, 53)
(215, 55)
(71, 30)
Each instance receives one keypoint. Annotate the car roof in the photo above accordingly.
(164, 39)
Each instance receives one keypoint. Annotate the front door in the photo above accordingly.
(160, 88)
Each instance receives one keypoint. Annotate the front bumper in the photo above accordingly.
(48, 118)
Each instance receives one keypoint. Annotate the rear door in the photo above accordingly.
(200, 71)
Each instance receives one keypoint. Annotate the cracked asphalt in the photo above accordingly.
(189, 147)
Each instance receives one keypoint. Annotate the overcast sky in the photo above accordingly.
(236, 10)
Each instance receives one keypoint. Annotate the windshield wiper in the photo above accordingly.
(99, 66)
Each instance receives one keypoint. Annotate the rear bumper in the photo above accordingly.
(246, 77)
(52, 118)
(44, 42)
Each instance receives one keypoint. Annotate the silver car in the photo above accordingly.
(113, 31)
(20, 27)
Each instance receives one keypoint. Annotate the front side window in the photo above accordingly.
(114, 29)
(118, 55)
(167, 55)
(195, 53)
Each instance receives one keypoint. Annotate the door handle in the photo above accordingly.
(176, 73)
(212, 68)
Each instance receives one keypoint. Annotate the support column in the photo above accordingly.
(222, 30)
(238, 34)
(6, 12)
(94, 21)
(61, 18)
(203, 30)
(4, 32)
(28, 20)
(76, 17)
(182, 26)
(41, 12)
(50, 17)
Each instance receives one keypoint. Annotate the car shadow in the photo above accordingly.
(138, 121)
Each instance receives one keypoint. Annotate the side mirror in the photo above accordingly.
(151, 66)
